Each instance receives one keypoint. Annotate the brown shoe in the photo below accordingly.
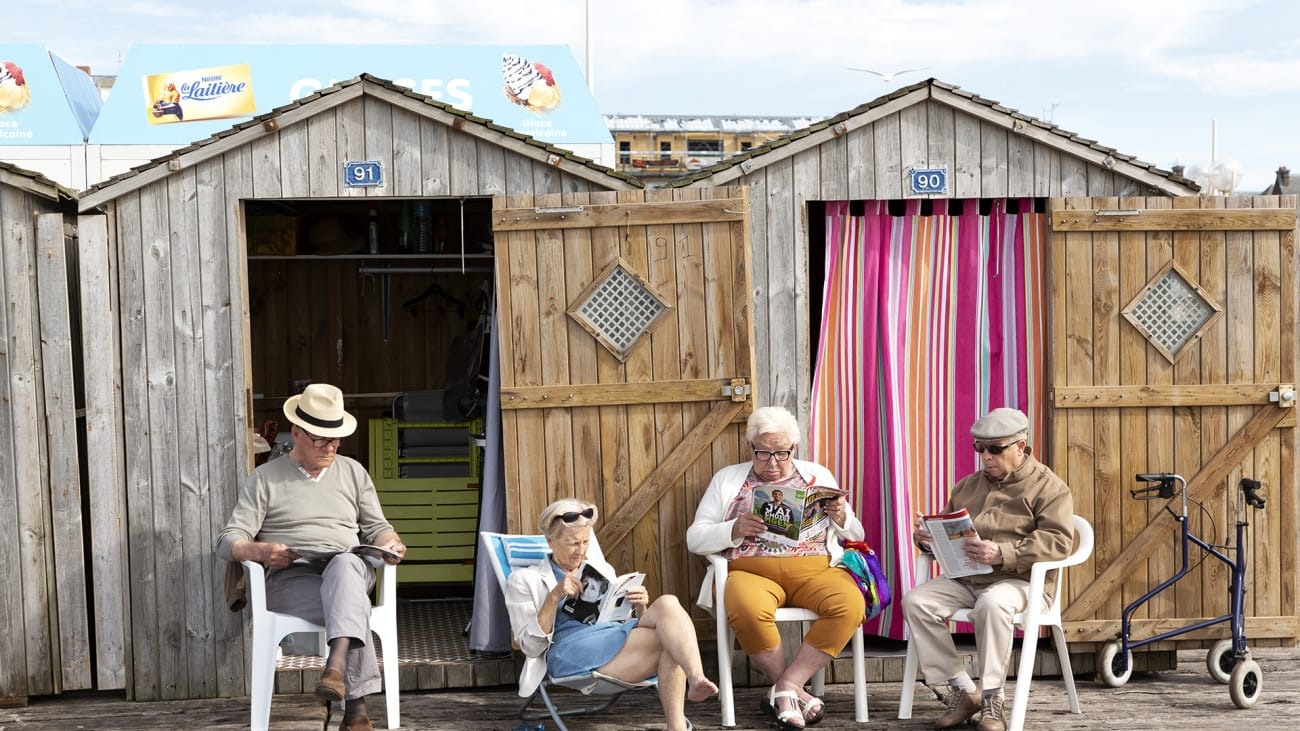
(331, 686)
(994, 717)
(360, 723)
(962, 707)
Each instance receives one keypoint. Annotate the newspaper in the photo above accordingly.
(602, 600)
(309, 555)
(948, 531)
(793, 515)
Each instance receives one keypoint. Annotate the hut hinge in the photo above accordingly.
(1284, 396)
(737, 390)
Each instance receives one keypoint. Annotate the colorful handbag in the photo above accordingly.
(863, 565)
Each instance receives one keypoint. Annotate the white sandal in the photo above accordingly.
(783, 718)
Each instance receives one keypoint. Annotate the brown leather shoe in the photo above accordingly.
(962, 706)
(331, 686)
(360, 723)
(994, 717)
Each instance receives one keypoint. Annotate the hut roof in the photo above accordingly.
(328, 98)
(33, 182)
(932, 89)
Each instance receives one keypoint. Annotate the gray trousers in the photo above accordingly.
(337, 595)
(928, 608)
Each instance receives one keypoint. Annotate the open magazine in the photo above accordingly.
(793, 514)
(602, 600)
(307, 555)
(949, 530)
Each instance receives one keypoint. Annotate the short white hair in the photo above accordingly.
(772, 420)
(549, 523)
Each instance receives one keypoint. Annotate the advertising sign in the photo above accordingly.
(537, 90)
(34, 106)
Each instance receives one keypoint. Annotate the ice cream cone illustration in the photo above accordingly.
(529, 84)
(14, 93)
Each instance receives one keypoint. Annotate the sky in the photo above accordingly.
(1168, 81)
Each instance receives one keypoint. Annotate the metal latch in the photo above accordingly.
(1284, 396)
(737, 390)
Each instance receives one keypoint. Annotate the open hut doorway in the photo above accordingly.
(930, 312)
(389, 299)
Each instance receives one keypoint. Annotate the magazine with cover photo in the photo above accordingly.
(793, 514)
(948, 531)
(602, 599)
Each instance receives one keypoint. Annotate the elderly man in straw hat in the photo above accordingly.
(298, 516)
(1023, 513)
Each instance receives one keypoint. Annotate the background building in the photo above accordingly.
(659, 148)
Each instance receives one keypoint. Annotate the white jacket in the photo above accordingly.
(526, 590)
(709, 533)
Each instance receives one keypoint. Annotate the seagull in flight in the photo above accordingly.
(888, 77)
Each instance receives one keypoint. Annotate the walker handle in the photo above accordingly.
(1249, 489)
(1163, 490)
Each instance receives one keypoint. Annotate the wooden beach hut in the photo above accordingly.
(246, 262)
(1163, 322)
(46, 645)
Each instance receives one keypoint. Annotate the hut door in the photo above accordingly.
(626, 361)
(1173, 346)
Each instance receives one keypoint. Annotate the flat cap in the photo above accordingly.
(1000, 423)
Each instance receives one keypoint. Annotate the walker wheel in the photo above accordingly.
(1246, 683)
(1108, 665)
(1221, 659)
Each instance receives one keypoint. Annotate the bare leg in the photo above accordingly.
(672, 684)
(676, 633)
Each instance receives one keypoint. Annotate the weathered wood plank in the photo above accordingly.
(378, 139)
(583, 359)
(618, 214)
(324, 170)
(407, 156)
(965, 175)
(160, 408)
(1108, 489)
(888, 157)
(266, 167)
(1146, 396)
(222, 271)
(1204, 219)
(913, 144)
(1133, 422)
(606, 394)
(64, 467)
(994, 163)
(349, 140)
(552, 335)
(462, 163)
(860, 163)
(107, 516)
(435, 158)
(779, 282)
(295, 160)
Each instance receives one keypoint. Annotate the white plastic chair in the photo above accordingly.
(269, 628)
(805, 618)
(509, 552)
(1029, 621)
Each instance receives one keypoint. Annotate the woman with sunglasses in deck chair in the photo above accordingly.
(659, 639)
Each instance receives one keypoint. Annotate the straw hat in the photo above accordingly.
(319, 410)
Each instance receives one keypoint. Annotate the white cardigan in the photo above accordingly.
(709, 533)
(526, 590)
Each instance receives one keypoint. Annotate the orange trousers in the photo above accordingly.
(758, 585)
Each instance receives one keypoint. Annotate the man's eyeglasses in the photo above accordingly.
(573, 515)
(763, 455)
(993, 448)
(321, 442)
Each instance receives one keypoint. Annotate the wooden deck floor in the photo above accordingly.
(1185, 698)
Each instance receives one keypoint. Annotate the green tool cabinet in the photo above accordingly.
(427, 475)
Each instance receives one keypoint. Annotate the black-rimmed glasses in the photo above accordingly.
(763, 455)
(320, 442)
(573, 515)
(993, 449)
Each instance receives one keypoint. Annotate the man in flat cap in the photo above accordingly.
(1023, 513)
(299, 516)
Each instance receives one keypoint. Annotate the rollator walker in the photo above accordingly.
(1229, 660)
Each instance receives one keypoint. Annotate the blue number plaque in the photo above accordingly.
(929, 181)
(363, 174)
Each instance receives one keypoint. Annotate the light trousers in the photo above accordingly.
(337, 595)
(929, 607)
(758, 586)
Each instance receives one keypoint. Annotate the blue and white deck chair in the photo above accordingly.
(509, 552)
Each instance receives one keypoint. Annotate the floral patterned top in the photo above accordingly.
(759, 545)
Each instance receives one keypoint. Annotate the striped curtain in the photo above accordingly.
(928, 321)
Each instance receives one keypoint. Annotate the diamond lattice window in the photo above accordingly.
(619, 309)
(1172, 311)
